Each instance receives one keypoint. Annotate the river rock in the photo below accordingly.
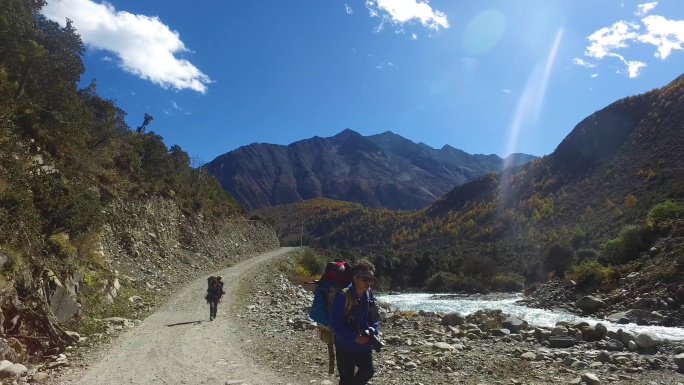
(628, 316)
(500, 332)
(627, 336)
(679, 361)
(39, 377)
(590, 304)
(591, 333)
(559, 341)
(590, 379)
(14, 370)
(514, 324)
(647, 340)
(443, 346)
(453, 319)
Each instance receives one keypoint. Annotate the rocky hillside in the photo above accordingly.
(92, 212)
(646, 291)
(384, 170)
(146, 249)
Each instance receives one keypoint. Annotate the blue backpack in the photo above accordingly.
(337, 276)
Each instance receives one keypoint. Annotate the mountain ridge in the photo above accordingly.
(381, 170)
(595, 191)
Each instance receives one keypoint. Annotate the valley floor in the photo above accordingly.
(261, 336)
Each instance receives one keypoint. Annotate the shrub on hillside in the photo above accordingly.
(508, 282)
(626, 246)
(559, 257)
(448, 282)
(469, 285)
(664, 211)
(441, 282)
(589, 275)
(633, 238)
(313, 262)
(60, 246)
(586, 255)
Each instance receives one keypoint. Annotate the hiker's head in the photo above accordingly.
(364, 273)
(219, 277)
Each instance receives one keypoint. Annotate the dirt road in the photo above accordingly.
(179, 345)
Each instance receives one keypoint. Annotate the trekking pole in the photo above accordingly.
(331, 358)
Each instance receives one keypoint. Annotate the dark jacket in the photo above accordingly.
(360, 318)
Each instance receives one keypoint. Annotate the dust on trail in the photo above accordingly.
(179, 345)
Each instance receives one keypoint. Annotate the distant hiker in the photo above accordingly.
(214, 296)
(219, 278)
(354, 322)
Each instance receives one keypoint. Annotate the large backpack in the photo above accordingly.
(210, 281)
(337, 276)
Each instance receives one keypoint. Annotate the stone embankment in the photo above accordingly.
(481, 348)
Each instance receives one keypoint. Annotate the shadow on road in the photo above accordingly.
(186, 323)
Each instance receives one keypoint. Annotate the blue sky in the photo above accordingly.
(486, 76)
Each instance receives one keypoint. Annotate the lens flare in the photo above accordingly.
(483, 32)
(530, 103)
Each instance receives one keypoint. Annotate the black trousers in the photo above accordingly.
(213, 305)
(346, 364)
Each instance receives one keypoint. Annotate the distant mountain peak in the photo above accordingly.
(347, 133)
(383, 170)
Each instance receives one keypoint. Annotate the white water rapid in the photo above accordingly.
(507, 303)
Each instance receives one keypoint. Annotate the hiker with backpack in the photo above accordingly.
(354, 323)
(337, 276)
(214, 295)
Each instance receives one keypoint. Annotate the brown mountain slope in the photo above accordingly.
(607, 173)
(384, 170)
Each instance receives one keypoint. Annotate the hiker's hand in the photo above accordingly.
(220, 299)
(361, 340)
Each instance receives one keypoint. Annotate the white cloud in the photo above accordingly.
(583, 63)
(414, 36)
(610, 38)
(634, 68)
(144, 45)
(400, 12)
(179, 108)
(506, 91)
(666, 35)
(348, 9)
(594, 75)
(643, 9)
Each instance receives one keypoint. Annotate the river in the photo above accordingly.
(507, 303)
